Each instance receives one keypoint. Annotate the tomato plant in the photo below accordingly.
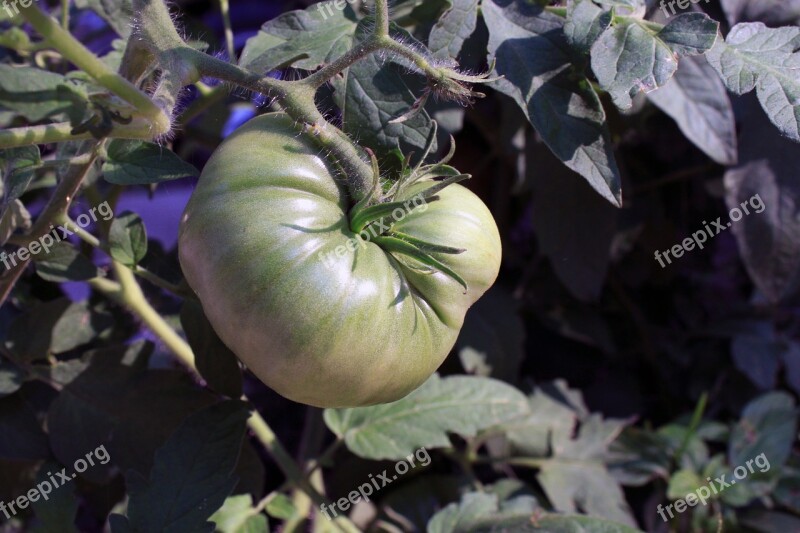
(420, 265)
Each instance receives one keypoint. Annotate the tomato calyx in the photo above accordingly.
(376, 211)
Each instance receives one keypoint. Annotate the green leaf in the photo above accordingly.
(11, 377)
(192, 473)
(697, 100)
(586, 21)
(17, 166)
(453, 28)
(302, 39)
(215, 362)
(37, 94)
(281, 507)
(767, 59)
(64, 263)
(143, 163)
(483, 513)
(127, 239)
(769, 426)
(532, 53)
(683, 482)
(14, 217)
(371, 93)
(237, 515)
(458, 404)
(576, 477)
(629, 57)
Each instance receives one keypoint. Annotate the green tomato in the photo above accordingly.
(320, 315)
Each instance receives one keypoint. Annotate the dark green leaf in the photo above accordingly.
(754, 56)
(629, 57)
(453, 28)
(64, 263)
(192, 473)
(535, 58)
(769, 426)
(458, 404)
(57, 513)
(21, 434)
(143, 163)
(371, 94)
(766, 182)
(215, 362)
(127, 239)
(34, 93)
(302, 39)
(586, 21)
(697, 100)
(15, 216)
(17, 166)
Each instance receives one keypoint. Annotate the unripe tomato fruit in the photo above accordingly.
(326, 326)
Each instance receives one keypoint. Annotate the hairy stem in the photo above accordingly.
(74, 51)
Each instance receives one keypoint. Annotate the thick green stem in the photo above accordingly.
(381, 17)
(62, 131)
(83, 58)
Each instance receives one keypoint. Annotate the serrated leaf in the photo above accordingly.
(458, 404)
(586, 21)
(192, 472)
(697, 100)
(535, 58)
(35, 93)
(453, 28)
(576, 476)
(683, 482)
(371, 93)
(769, 426)
(143, 163)
(216, 362)
(64, 263)
(767, 59)
(237, 515)
(300, 38)
(483, 513)
(630, 57)
(127, 239)
(549, 421)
